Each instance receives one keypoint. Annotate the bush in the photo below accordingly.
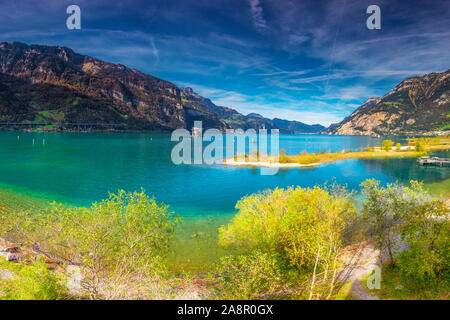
(32, 282)
(420, 146)
(395, 285)
(119, 243)
(409, 217)
(283, 158)
(426, 232)
(304, 227)
(387, 144)
(424, 266)
(292, 222)
(382, 210)
(247, 277)
(309, 158)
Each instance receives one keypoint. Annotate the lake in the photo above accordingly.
(80, 168)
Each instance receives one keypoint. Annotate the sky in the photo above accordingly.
(313, 61)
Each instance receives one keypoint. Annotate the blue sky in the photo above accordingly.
(311, 61)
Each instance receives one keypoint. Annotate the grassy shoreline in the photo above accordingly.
(195, 238)
(416, 148)
(395, 286)
(304, 160)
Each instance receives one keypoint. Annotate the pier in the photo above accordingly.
(434, 161)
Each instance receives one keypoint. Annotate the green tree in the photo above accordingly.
(302, 226)
(426, 233)
(382, 209)
(387, 144)
(409, 217)
(282, 157)
(420, 146)
(120, 243)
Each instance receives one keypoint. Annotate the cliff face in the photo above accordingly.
(45, 84)
(417, 105)
(48, 84)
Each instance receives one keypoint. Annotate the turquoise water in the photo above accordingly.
(79, 168)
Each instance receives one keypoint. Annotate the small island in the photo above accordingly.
(416, 147)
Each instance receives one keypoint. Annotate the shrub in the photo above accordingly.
(395, 285)
(304, 227)
(119, 243)
(398, 146)
(32, 282)
(308, 158)
(426, 232)
(283, 158)
(382, 211)
(410, 215)
(423, 265)
(252, 276)
(387, 144)
(419, 146)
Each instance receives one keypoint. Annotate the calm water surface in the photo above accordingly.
(80, 168)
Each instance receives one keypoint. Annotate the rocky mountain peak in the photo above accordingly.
(416, 105)
(57, 85)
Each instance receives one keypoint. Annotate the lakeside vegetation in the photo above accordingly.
(416, 147)
(300, 232)
(119, 244)
(441, 188)
(283, 244)
(396, 286)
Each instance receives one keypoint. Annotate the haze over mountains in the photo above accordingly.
(56, 85)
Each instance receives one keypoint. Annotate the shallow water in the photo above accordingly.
(80, 168)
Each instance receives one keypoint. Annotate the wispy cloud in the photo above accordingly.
(277, 58)
(283, 73)
(257, 15)
(285, 107)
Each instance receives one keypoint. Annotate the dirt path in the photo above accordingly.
(359, 260)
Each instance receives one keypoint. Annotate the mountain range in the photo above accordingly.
(418, 105)
(55, 85)
(45, 84)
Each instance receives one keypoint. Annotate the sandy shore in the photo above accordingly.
(267, 164)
